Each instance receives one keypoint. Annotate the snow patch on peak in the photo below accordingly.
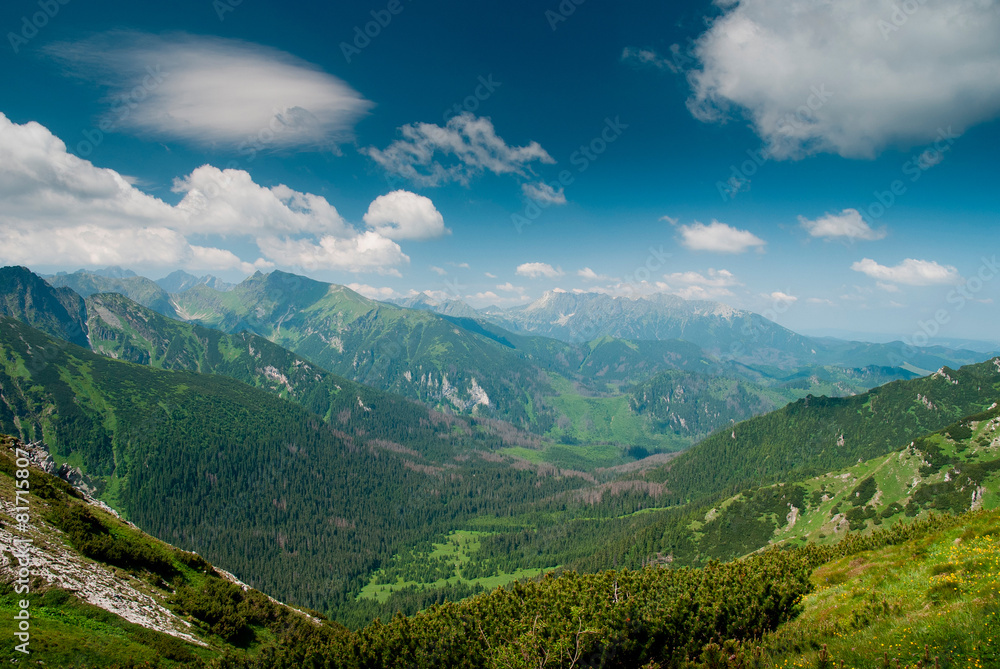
(563, 319)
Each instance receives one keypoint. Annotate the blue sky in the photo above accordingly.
(746, 152)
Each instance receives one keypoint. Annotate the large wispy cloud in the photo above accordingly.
(849, 77)
(213, 91)
(848, 224)
(718, 237)
(464, 148)
(910, 272)
(543, 193)
(59, 209)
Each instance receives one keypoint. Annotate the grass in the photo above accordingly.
(602, 419)
(67, 632)
(939, 596)
(456, 550)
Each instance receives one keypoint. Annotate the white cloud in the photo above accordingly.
(847, 223)
(778, 296)
(56, 208)
(849, 77)
(210, 91)
(650, 58)
(591, 275)
(820, 300)
(365, 252)
(909, 272)
(544, 194)
(533, 270)
(697, 286)
(371, 292)
(229, 202)
(470, 144)
(441, 271)
(460, 265)
(405, 215)
(511, 288)
(489, 275)
(718, 238)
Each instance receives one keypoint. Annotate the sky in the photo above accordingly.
(831, 165)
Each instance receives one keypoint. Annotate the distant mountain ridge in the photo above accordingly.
(467, 364)
(59, 312)
(179, 281)
(137, 288)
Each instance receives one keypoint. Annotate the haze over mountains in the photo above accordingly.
(466, 361)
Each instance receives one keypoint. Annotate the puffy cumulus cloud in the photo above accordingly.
(718, 238)
(909, 272)
(405, 215)
(56, 208)
(211, 91)
(781, 298)
(543, 193)
(848, 224)
(98, 246)
(533, 270)
(229, 202)
(697, 286)
(371, 292)
(469, 144)
(849, 77)
(365, 252)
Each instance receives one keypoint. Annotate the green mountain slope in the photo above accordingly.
(255, 483)
(952, 470)
(138, 288)
(105, 594)
(574, 393)
(820, 434)
(59, 312)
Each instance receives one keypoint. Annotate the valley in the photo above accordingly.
(340, 489)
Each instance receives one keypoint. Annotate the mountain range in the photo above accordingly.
(232, 433)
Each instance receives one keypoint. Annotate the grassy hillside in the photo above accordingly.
(103, 593)
(820, 434)
(927, 590)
